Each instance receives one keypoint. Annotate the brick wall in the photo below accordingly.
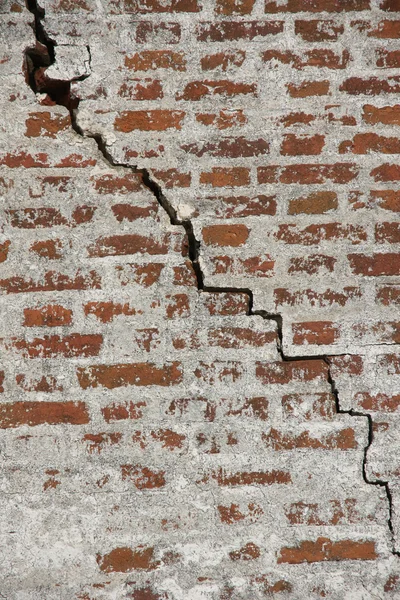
(199, 282)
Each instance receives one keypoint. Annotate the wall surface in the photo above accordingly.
(199, 290)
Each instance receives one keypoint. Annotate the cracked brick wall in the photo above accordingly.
(199, 282)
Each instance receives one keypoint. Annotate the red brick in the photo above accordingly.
(225, 235)
(379, 402)
(69, 346)
(50, 249)
(17, 414)
(294, 145)
(129, 212)
(386, 172)
(52, 315)
(143, 275)
(197, 90)
(323, 549)
(390, 5)
(387, 233)
(372, 86)
(316, 203)
(117, 245)
(225, 31)
(229, 148)
(388, 295)
(50, 282)
(148, 60)
(143, 478)
(223, 120)
(379, 264)
(293, 371)
(232, 514)
(387, 115)
(106, 311)
(172, 178)
(317, 30)
(239, 337)
(118, 184)
(121, 375)
(32, 218)
(223, 60)
(340, 512)
(349, 364)
(227, 372)
(47, 384)
(46, 124)
(316, 234)
(226, 177)
(123, 410)
(330, 6)
(125, 560)
(249, 551)
(308, 173)
(341, 440)
(254, 408)
(313, 298)
(148, 120)
(389, 59)
(386, 30)
(234, 7)
(312, 264)
(308, 88)
(4, 249)
(321, 58)
(315, 332)
(226, 303)
(141, 89)
(16, 160)
(364, 143)
(97, 442)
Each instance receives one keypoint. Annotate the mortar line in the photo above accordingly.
(38, 57)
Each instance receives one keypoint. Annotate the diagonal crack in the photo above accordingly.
(38, 59)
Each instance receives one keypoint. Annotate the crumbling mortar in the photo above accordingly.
(35, 58)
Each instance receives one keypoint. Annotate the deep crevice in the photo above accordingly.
(38, 59)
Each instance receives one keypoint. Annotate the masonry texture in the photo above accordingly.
(199, 290)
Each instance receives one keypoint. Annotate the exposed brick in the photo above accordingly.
(298, 370)
(125, 560)
(315, 203)
(52, 315)
(331, 6)
(32, 413)
(52, 346)
(342, 440)
(120, 375)
(148, 60)
(150, 120)
(237, 30)
(226, 177)
(128, 244)
(317, 30)
(197, 90)
(324, 549)
(225, 235)
(318, 332)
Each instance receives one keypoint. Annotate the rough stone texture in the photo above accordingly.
(198, 400)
